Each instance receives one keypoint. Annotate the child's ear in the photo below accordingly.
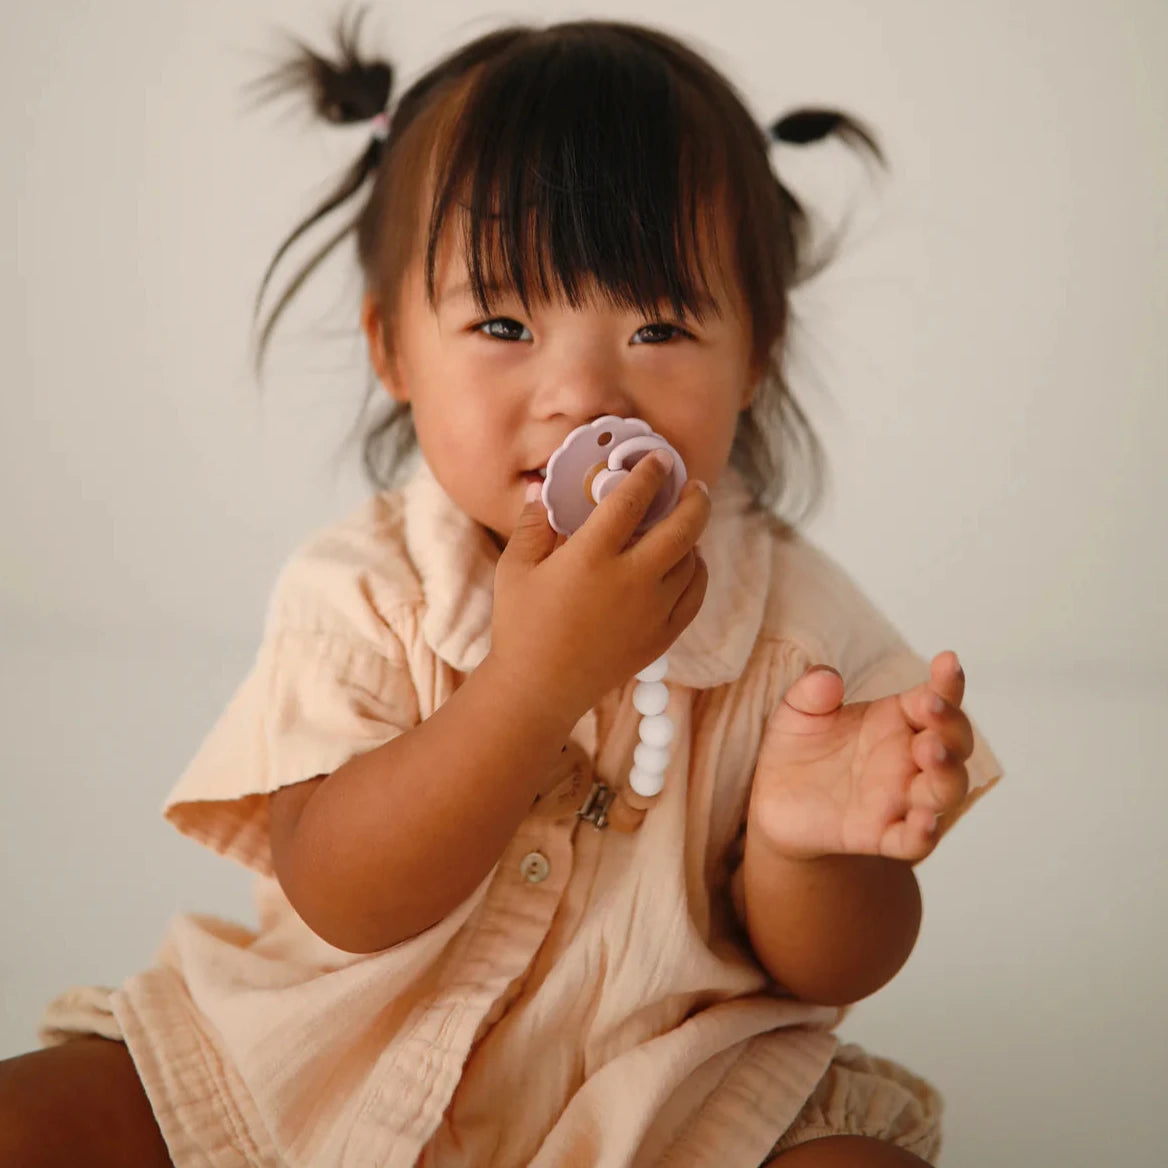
(379, 356)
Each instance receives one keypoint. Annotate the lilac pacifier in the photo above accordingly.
(590, 464)
(593, 460)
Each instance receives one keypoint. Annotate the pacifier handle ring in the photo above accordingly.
(621, 461)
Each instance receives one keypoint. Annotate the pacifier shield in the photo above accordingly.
(619, 444)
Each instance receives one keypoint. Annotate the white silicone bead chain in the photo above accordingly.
(656, 729)
(602, 453)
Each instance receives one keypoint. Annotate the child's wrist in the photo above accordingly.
(781, 851)
(532, 697)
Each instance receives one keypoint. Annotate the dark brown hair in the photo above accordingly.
(585, 150)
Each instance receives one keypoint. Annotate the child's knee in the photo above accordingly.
(82, 1099)
(27, 1132)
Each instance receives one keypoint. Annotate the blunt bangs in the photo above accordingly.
(580, 159)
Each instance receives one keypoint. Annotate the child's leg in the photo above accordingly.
(846, 1152)
(80, 1103)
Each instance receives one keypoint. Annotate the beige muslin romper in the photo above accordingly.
(595, 1001)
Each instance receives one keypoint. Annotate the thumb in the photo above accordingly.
(534, 538)
(819, 691)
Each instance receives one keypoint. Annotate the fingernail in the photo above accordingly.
(663, 459)
(939, 752)
(701, 487)
(936, 704)
(533, 491)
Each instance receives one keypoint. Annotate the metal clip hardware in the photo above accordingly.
(596, 806)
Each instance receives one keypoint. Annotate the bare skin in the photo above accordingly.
(846, 1152)
(80, 1099)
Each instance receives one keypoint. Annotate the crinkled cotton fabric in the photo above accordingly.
(610, 1011)
(863, 1095)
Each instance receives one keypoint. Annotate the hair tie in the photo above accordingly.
(380, 126)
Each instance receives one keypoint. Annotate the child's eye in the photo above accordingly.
(665, 332)
(509, 326)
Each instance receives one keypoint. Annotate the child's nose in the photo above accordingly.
(585, 388)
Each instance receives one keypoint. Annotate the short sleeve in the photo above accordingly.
(330, 681)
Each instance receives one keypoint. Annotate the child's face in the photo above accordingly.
(493, 397)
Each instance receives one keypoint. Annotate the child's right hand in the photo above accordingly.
(577, 618)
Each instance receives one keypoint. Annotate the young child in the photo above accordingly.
(476, 944)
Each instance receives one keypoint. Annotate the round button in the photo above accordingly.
(534, 867)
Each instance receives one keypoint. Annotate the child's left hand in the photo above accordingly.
(861, 779)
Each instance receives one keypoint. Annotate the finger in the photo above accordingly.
(670, 540)
(946, 677)
(690, 602)
(946, 683)
(534, 537)
(820, 690)
(677, 579)
(927, 711)
(940, 786)
(911, 838)
(612, 523)
(921, 822)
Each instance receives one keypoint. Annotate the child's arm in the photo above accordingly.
(832, 929)
(845, 799)
(394, 839)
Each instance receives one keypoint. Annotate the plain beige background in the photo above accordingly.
(987, 364)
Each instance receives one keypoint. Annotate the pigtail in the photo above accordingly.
(802, 127)
(343, 90)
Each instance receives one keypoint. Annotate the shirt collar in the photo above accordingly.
(455, 559)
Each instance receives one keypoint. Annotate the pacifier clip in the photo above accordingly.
(589, 465)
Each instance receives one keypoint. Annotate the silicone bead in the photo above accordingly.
(651, 697)
(645, 783)
(652, 759)
(657, 730)
(656, 670)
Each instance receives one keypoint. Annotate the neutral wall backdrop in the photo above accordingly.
(987, 364)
